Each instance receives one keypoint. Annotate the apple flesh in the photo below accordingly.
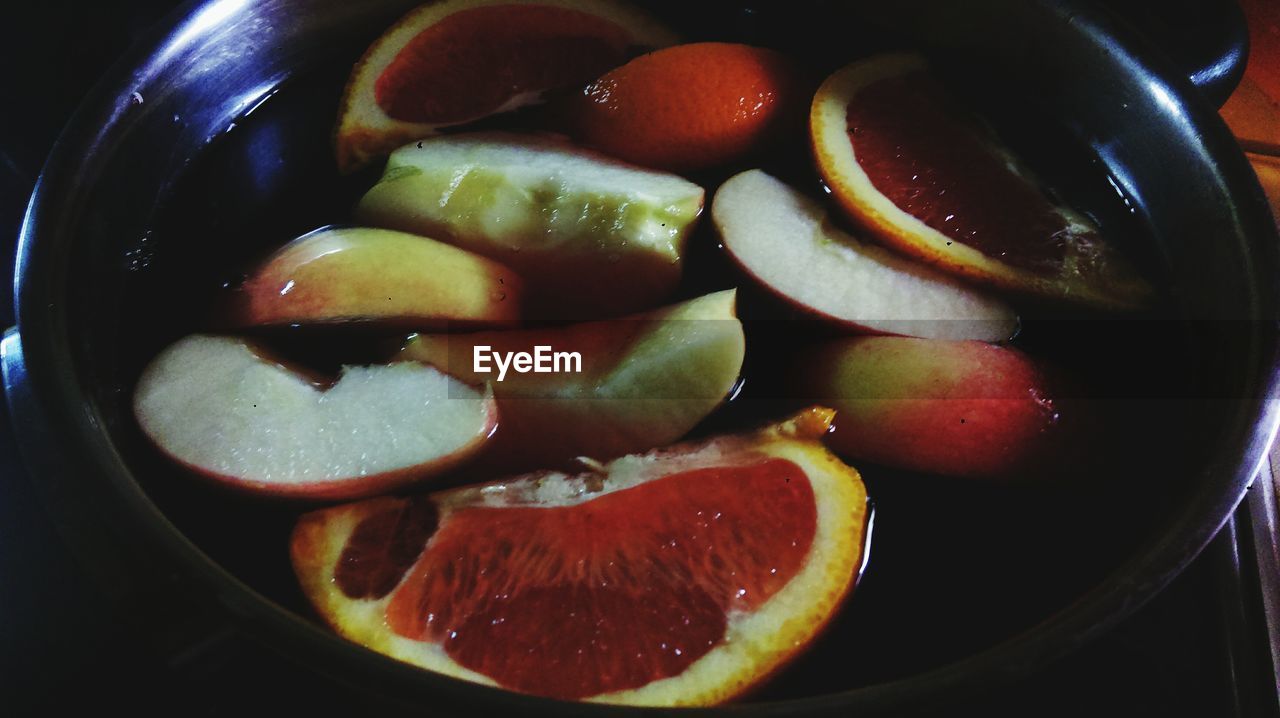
(785, 241)
(349, 274)
(591, 235)
(221, 408)
(955, 408)
(645, 381)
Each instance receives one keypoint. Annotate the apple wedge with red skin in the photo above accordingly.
(786, 242)
(905, 162)
(954, 408)
(363, 274)
(225, 410)
(645, 382)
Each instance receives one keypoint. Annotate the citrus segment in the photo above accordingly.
(905, 160)
(552, 564)
(452, 62)
(472, 62)
(690, 107)
(930, 159)
(383, 547)
(677, 577)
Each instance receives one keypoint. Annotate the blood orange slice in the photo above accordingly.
(680, 577)
(903, 160)
(451, 62)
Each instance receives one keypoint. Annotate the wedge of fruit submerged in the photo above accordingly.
(691, 107)
(784, 240)
(591, 236)
(904, 161)
(451, 62)
(955, 408)
(223, 409)
(644, 381)
(354, 274)
(680, 577)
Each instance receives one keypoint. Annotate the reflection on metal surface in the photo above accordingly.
(1263, 511)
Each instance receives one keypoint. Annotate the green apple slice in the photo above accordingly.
(645, 381)
(593, 236)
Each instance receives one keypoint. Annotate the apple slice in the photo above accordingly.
(957, 408)
(346, 274)
(645, 381)
(931, 181)
(592, 236)
(223, 409)
(784, 240)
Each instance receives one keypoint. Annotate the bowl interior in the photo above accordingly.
(216, 149)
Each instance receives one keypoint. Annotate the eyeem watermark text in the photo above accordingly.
(543, 360)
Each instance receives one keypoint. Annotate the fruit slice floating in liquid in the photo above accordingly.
(691, 107)
(223, 409)
(451, 62)
(645, 381)
(680, 577)
(786, 242)
(955, 408)
(907, 163)
(392, 278)
(590, 235)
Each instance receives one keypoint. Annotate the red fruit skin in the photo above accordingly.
(691, 107)
(955, 408)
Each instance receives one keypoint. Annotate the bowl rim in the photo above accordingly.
(42, 388)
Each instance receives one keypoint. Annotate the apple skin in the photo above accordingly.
(954, 408)
(785, 241)
(646, 381)
(362, 274)
(180, 390)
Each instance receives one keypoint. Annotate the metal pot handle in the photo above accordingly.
(1208, 39)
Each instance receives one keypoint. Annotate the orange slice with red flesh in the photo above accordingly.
(453, 62)
(903, 160)
(679, 577)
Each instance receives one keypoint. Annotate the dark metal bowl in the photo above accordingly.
(134, 137)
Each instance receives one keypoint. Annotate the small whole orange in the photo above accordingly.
(690, 107)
